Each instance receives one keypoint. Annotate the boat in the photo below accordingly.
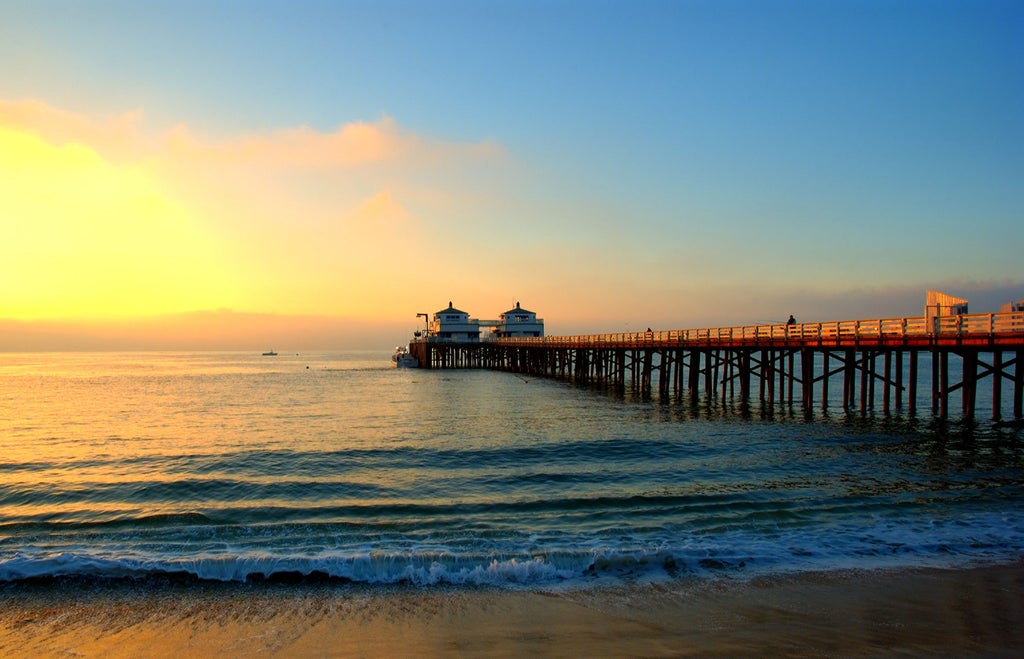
(270, 353)
(402, 358)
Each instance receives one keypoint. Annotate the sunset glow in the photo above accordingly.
(88, 238)
(606, 180)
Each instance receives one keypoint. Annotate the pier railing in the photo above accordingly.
(941, 329)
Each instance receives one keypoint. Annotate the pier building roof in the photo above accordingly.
(518, 310)
(451, 309)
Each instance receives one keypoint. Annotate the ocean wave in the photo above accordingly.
(419, 571)
(273, 553)
(169, 520)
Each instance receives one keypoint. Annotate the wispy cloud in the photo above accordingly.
(116, 136)
(350, 145)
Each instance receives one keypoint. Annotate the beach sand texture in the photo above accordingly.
(974, 612)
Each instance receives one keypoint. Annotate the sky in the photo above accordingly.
(240, 174)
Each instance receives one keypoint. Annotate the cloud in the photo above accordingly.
(350, 145)
(381, 211)
(300, 221)
(289, 175)
(117, 136)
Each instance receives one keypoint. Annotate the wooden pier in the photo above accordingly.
(876, 363)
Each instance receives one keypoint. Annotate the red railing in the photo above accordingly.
(943, 329)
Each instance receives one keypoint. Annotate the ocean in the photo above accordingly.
(323, 467)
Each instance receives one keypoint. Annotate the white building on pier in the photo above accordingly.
(455, 326)
(519, 322)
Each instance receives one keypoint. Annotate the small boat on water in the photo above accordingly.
(270, 353)
(402, 358)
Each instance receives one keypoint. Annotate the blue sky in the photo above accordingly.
(822, 158)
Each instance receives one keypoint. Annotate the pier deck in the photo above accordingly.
(780, 360)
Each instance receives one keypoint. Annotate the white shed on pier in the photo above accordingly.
(939, 305)
(519, 322)
(454, 325)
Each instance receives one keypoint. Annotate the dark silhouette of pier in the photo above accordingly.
(881, 362)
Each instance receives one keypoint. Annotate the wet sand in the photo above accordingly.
(975, 612)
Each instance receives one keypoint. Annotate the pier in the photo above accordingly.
(889, 364)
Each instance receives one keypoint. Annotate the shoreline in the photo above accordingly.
(976, 611)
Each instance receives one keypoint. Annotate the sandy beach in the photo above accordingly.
(974, 612)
